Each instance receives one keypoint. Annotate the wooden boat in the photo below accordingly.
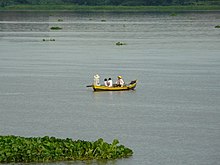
(129, 86)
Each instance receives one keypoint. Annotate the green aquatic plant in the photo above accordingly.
(45, 149)
(173, 14)
(217, 26)
(55, 28)
(60, 20)
(120, 43)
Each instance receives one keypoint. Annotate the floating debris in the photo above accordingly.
(48, 39)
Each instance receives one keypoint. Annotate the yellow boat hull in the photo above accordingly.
(130, 86)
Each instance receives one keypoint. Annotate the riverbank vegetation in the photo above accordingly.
(112, 2)
(78, 8)
(46, 149)
(111, 5)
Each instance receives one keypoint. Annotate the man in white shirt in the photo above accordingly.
(110, 83)
(106, 82)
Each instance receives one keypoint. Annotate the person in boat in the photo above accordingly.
(120, 82)
(96, 80)
(110, 83)
(106, 82)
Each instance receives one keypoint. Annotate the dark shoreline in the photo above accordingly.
(76, 8)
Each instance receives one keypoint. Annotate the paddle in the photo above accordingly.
(89, 86)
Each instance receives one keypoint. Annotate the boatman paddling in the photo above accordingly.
(120, 82)
(96, 80)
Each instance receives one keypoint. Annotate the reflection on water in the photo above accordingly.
(171, 118)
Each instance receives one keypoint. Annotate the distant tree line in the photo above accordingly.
(112, 2)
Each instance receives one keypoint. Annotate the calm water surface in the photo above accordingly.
(172, 118)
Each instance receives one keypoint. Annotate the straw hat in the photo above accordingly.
(96, 76)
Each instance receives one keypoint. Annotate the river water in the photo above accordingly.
(173, 116)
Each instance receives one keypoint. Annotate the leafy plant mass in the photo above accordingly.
(217, 26)
(173, 14)
(44, 149)
(120, 43)
(55, 28)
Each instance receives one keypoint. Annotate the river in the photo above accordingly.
(173, 116)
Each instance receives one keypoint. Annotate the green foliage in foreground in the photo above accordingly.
(44, 149)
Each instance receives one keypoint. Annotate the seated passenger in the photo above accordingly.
(110, 83)
(105, 82)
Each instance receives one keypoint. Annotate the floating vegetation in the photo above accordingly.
(217, 26)
(103, 20)
(120, 43)
(45, 149)
(55, 28)
(48, 39)
(173, 14)
(60, 20)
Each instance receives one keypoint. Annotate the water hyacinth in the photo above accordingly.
(44, 149)
(120, 43)
(55, 28)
